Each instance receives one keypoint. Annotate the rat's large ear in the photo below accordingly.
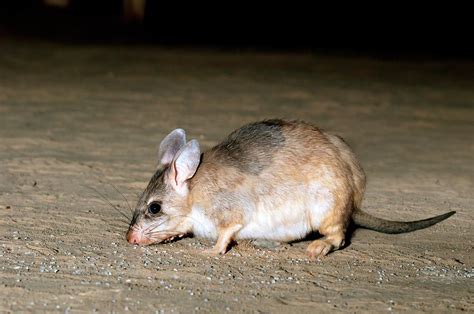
(170, 145)
(185, 164)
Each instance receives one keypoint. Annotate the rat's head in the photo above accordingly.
(161, 212)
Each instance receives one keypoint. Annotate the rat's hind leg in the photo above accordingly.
(330, 242)
(226, 235)
(333, 229)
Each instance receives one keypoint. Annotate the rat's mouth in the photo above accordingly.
(137, 237)
(173, 238)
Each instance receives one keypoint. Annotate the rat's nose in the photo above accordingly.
(133, 237)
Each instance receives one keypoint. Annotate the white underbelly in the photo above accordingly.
(285, 232)
(293, 218)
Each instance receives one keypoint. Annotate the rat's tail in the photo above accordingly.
(365, 220)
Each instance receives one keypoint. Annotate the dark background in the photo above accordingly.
(386, 31)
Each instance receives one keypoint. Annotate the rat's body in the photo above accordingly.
(275, 179)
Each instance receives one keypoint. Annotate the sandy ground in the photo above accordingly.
(74, 118)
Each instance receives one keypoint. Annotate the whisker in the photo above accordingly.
(155, 225)
(121, 213)
(133, 227)
(120, 220)
(124, 221)
(123, 196)
(103, 180)
(164, 232)
(110, 203)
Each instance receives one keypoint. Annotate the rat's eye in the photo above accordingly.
(154, 208)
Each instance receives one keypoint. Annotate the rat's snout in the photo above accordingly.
(133, 237)
(136, 236)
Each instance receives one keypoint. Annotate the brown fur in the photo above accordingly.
(310, 149)
(254, 172)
